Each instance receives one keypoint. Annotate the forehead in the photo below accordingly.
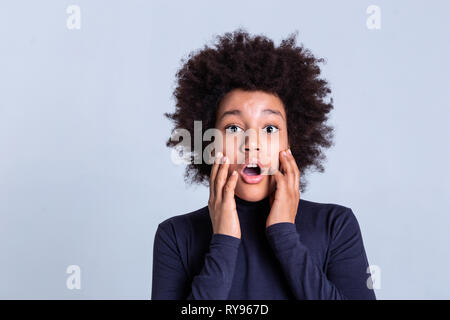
(250, 103)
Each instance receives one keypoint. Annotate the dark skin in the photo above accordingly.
(285, 198)
(253, 64)
(282, 183)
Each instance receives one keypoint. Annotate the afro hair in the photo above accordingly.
(239, 60)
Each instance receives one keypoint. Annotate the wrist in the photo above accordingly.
(271, 222)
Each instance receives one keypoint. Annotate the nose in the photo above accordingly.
(249, 146)
(251, 141)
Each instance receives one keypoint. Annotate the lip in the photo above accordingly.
(252, 179)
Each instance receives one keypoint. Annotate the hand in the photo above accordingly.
(221, 203)
(285, 198)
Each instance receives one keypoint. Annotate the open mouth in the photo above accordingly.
(251, 173)
(252, 170)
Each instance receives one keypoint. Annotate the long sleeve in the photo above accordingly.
(346, 276)
(170, 279)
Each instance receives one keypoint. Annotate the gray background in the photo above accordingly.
(85, 176)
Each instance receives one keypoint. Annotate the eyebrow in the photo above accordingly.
(237, 112)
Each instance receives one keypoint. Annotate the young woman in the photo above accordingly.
(256, 238)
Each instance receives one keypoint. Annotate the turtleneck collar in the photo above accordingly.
(246, 203)
(252, 209)
(252, 213)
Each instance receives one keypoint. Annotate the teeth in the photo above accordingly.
(252, 165)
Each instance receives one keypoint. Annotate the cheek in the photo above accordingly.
(231, 147)
(274, 162)
(272, 152)
(283, 141)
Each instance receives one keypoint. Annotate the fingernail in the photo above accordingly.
(289, 150)
(283, 153)
(234, 173)
(219, 155)
(225, 159)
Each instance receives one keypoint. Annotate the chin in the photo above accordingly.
(252, 192)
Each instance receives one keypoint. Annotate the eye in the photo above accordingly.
(270, 129)
(233, 128)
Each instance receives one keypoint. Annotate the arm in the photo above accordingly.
(170, 277)
(346, 273)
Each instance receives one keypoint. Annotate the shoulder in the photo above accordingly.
(324, 209)
(184, 223)
(334, 218)
(321, 210)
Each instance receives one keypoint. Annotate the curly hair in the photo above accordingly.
(239, 60)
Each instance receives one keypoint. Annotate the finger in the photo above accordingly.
(280, 180)
(297, 180)
(221, 179)
(296, 170)
(294, 167)
(287, 167)
(212, 176)
(228, 192)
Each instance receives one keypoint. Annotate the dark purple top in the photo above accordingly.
(321, 256)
